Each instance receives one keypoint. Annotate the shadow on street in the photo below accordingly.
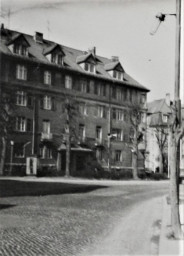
(9, 188)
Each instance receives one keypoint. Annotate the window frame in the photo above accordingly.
(68, 82)
(21, 72)
(21, 124)
(47, 77)
(46, 126)
(21, 98)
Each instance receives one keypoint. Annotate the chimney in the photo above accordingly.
(167, 99)
(2, 26)
(115, 58)
(38, 37)
(92, 50)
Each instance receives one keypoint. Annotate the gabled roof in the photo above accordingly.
(158, 106)
(113, 65)
(156, 120)
(71, 58)
(16, 37)
(156, 110)
(51, 48)
(84, 58)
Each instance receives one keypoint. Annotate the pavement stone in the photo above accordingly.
(169, 246)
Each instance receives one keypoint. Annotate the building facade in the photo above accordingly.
(42, 75)
(158, 116)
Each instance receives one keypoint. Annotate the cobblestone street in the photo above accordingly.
(67, 223)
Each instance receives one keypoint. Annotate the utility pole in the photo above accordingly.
(176, 131)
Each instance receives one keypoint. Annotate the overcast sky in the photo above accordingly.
(116, 27)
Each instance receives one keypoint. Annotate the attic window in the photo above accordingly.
(57, 58)
(89, 67)
(164, 118)
(20, 49)
(118, 75)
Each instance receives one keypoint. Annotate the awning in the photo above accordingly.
(77, 149)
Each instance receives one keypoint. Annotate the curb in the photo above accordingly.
(169, 246)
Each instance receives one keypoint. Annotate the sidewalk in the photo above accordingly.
(169, 246)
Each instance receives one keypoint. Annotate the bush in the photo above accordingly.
(158, 176)
(142, 174)
(121, 174)
(19, 170)
(47, 171)
(91, 169)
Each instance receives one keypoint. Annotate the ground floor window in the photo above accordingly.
(118, 155)
(45, 153)
(19, 151)
(99, 154)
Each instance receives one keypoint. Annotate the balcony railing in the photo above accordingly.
(46, 136)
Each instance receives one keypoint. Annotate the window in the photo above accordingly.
(117, 134)
(57, 58)
(47, 77)
(46, 126)
(84, 87)
(81, 131)
(99, 154)
(143, 98)
(119, 94)
(47, 102)
(19, 150)
(99, 133)
(20, 124)
(101, 111)
(117, 114)
(21, 98)
(83, 109)
(45, 153)
(20, 49)
(118, 155)
(21, 72)
(143, 117)
(118, 75)
(164, 118)
(100, 90)
(89, 67)
(68, 82)
(29, 125)
(114, 94)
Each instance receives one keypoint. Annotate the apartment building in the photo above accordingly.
(42, 74)
(158, 118)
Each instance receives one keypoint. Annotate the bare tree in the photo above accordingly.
(6, 124)
(136, 134)
(161, 135)
(70, 117)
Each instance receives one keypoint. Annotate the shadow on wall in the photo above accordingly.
(20, 188)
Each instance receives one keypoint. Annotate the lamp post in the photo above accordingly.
(11, 155)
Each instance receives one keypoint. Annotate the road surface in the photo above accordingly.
(102, 218)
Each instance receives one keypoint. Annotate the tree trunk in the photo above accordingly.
(175, 217)
(161, 165)
(3, 155)
(135, 161)
(68, 157)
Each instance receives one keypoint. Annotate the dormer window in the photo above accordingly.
(20, 49)
(89, 67)
(118, 75)
(19, 45)
(57, 58)
(87, 62)
(54, 54)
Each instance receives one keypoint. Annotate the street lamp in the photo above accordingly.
(11, 155)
